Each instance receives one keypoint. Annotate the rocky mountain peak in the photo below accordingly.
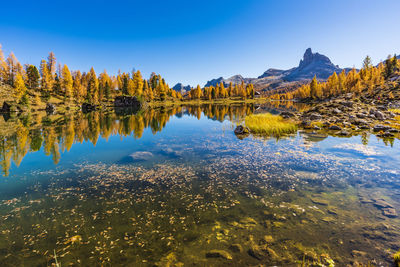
(312, 64)
(309, 58)
(308, 55)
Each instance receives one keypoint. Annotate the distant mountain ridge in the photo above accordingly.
(179, 87)
(312, 64)
(236, 79)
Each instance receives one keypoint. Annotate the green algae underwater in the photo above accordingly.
(176, 187)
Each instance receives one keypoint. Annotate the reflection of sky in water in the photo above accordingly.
(376, 154)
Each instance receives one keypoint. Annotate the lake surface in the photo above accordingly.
(176, 187)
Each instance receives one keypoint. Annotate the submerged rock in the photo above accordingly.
(216, 253)
(77, 239)
(328, 219)
(357, 253)
(236, 248)
(387, 209)
(319, 201)
(262, 252)
(315, 137)
(365, 200)
(332, 211)
(381, 203)
(268, 239)
(248, 222)
(389, 212)
(256, 252)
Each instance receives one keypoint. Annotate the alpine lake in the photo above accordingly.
(174, 186)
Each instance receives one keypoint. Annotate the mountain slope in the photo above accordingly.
(312, 64)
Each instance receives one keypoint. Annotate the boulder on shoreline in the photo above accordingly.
(240, 130)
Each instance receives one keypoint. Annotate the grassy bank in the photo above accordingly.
(268, 124)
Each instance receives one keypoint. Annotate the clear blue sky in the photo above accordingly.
(194, 41)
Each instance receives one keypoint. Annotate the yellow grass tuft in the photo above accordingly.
(268, 124)
(395, 110)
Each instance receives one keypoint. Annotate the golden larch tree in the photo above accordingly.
(66, 81)
(19, 86)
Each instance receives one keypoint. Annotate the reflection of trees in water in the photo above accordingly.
(54, 134)
(278, 106)
(221, 112)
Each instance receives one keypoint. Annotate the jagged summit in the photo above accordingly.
(309, 58)
(312, 64)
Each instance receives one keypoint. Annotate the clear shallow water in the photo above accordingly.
(169, 186)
